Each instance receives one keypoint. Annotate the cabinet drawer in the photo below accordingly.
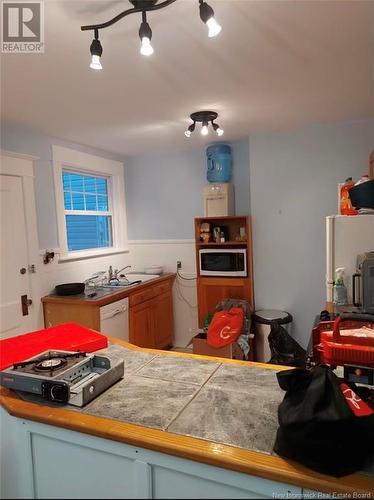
(149, 293)
(139, 297)
(162, 287)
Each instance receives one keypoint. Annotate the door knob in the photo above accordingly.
(23, 270)
(25, 303)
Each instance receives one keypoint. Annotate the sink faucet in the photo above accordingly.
(117, 271)
(110, 273)
(114, 275)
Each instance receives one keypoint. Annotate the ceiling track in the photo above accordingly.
(139, 6)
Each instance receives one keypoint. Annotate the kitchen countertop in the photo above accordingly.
(213, 410)
(105, 296)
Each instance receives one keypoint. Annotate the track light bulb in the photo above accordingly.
(207, 16)
(95, 62)
(204, 129)
(214, 27)
(146, 48)
(145, 35)
(96, 52)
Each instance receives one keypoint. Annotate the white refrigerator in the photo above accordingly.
(346, 237)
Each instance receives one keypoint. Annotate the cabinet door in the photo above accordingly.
(57, 313)
(213, 290)
(141, 325)
(163, 320)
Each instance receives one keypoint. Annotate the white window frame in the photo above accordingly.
(76, 161)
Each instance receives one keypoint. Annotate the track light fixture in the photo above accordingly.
(190, 129)
(145, 32)
(145, 35)
(96, 52)
(204, 117)
(207, 16)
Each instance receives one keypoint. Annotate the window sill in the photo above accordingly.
(81, 255)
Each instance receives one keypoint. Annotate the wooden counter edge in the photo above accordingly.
(216, 454)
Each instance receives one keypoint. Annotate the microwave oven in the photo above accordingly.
(223, 262)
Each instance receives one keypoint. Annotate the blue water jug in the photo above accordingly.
(219, 159)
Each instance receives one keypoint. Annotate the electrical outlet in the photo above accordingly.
(179, 264)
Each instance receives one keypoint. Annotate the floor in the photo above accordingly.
(182, 349)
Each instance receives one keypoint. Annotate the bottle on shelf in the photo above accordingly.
(340, 290)
(364, 178)
(346, 207)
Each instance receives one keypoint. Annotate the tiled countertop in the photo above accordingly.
(235, 405)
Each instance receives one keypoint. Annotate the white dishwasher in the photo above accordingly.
(114, 319)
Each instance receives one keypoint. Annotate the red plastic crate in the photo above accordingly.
(336, 349)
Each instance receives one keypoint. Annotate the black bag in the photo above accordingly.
(285, 350)
(317, 426)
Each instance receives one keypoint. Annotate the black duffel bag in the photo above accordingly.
(323, 423)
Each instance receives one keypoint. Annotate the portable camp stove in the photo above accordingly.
(62, 376)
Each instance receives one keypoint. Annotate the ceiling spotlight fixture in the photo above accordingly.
(218, 129)
(207, 16)
(145, 35)
(145, 32)
(96, 52)
(204, 117)
(190, 129)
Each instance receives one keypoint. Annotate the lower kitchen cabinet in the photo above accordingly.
(151, 322)
(141, 325)
(44, 461)
(211, 290)
(163, 320)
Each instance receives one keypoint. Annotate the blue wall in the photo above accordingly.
(164, 192)
(294, 178)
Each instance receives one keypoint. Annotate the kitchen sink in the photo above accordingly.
(133, 279)
(141, 276)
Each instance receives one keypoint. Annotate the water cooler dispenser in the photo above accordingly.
(219, 198)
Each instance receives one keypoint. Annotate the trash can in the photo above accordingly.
(262, 320)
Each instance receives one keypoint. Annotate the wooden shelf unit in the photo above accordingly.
(212, 289)
(225, 244)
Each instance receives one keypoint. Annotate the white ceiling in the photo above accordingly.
(275, 65)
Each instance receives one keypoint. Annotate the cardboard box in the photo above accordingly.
(200, 346)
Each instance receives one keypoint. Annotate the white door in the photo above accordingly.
(17, 313)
